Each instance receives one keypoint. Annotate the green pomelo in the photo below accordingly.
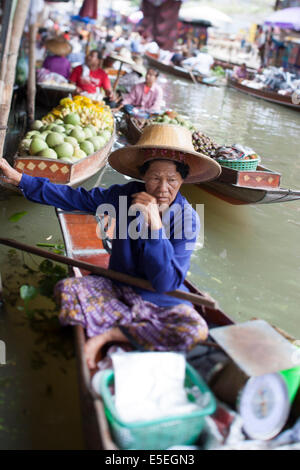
(69, 126)
(48, 153)
(96, 141)
(24, 146)
(71, 140)
(60, 129)
(78, 134)
(30, 134)
(54, 138)
(36, 125)
(59, 121)
(87, 147)
(72, 118)
(37, 145)
(64, 150)
(106, 134)
(93, 129)
(79, 153)
(88, 132)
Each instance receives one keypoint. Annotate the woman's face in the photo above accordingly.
(163, 181)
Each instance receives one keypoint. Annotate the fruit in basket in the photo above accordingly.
(87, 147)
(58, 128)
(92, 129)
(72, 118)
(105, 134)
(30, 134)
(204, 144)
(78, 134)
(96, 142)
(24, 146)
(47, 153)
(37, 145)
(88, 132)
(64, 150)
(71, 140)
(78, 153)
(36, 125)
(54, 138)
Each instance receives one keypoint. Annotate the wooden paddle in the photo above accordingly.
(195, 299)
(118, 77)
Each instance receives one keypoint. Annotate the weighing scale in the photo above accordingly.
(265, 400)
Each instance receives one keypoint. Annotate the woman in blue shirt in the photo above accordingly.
(155, 245)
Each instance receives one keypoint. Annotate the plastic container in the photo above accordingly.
(159, 433)
(240, 165)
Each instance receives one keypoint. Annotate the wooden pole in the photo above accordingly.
(7, 17)
(31, 84)
(195, 299)
(18, 23)
(118, 77)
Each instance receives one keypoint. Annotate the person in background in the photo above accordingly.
(145, 98)
(202, 62)
(135, 76)
(240, 73)
(57, 62)
(89, 77)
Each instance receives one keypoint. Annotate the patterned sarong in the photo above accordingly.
(98, 304)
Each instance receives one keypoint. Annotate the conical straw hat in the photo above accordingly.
(59, 46)
(165, 141)
(123, 56)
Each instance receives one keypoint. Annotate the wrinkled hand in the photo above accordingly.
(148, 206)
(9, 174)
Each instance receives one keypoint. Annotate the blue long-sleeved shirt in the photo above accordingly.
(163, 259)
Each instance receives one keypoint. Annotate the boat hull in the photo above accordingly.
(270, 96)
(60, 172)
(177, 71)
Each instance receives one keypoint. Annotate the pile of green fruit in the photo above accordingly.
(171, 117)
(65, 139)
(204, 144)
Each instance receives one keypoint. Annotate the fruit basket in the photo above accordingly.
(240, 165)
(159, 433)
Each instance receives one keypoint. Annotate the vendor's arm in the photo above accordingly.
(166, 262)
(42, 191)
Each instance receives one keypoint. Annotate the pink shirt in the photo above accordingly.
(150, 102)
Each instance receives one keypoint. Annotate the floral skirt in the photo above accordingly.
(98, 304)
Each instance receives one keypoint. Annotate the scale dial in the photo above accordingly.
(264, 406)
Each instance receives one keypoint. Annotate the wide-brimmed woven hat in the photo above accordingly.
(59, 46)
(169, 142)
(124, 55)
(138, 66)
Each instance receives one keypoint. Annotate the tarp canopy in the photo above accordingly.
(192, 12)
(288, 18)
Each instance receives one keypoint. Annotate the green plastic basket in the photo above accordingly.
(159, 433)
(240, 164)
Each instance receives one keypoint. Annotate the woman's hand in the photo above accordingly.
(9, 174)
(148, 206)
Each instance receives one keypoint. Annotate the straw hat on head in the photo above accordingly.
(138, 66)
(168, 142)
(123, 56)
(59, 46)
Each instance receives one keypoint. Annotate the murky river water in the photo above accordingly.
(250, 263)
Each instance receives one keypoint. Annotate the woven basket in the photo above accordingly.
(240, 164)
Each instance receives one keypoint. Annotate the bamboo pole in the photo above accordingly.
(31, 84)
(196, 299)
(6, 47)
(18, 23)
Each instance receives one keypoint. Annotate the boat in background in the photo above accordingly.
(192, 76)
(267, 95)
(261, 186)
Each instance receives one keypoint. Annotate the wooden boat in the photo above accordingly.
(61, 172)
(46, 94)
(237, 187)
(266, 95)
(82, 243)
(175, 70)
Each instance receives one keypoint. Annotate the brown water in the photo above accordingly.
(250, 263)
